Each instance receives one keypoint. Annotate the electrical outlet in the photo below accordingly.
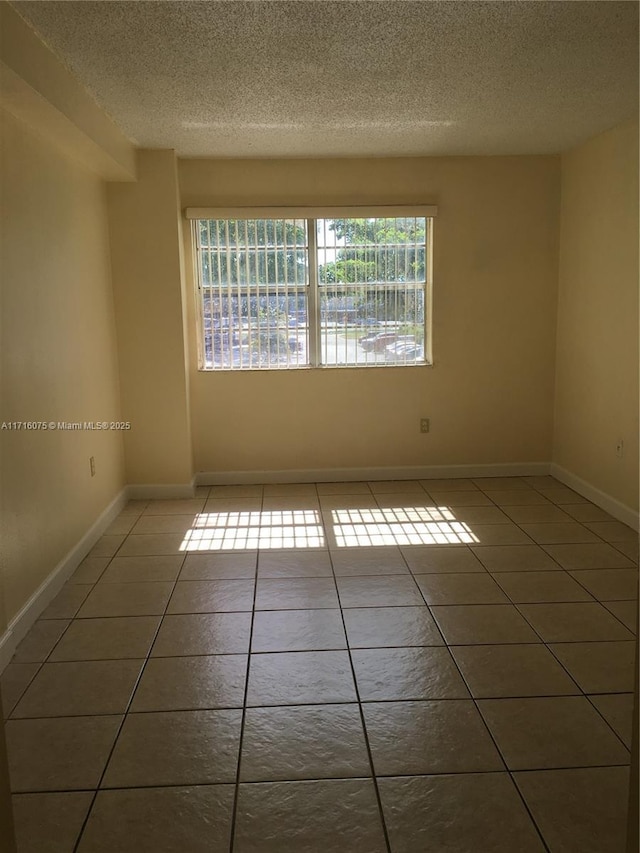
(92, 465)
(620, 448)
(424, 424)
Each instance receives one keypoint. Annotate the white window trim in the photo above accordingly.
(429, 212)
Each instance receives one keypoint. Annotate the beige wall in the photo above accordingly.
(596, 400)
(490, 392)
(146, 261)
(58, 358)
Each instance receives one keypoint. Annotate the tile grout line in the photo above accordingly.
(236, 793)
(70, 620)
(484, 723)
(490, 733)
(547, 644)
(567, 572)
(364, 702)
(167, 785)
(39, 664)
(47, 657)
(588, 696)
(624, 625)
(374, 778)
(126, 710)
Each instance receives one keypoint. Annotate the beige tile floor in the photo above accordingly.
(334, 668)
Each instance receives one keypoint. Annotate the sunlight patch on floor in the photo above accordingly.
(240, 531)
(302, 528)
(399, 526)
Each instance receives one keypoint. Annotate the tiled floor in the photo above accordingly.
(341, 668)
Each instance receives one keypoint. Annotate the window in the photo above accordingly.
(292, 291)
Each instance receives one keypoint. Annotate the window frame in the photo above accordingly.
(312, 215)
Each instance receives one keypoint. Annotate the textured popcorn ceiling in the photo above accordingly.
(326, 79)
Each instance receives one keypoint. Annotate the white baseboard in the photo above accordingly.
(161, 491)
(609, 504)
(339, 475)
(54, 582)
